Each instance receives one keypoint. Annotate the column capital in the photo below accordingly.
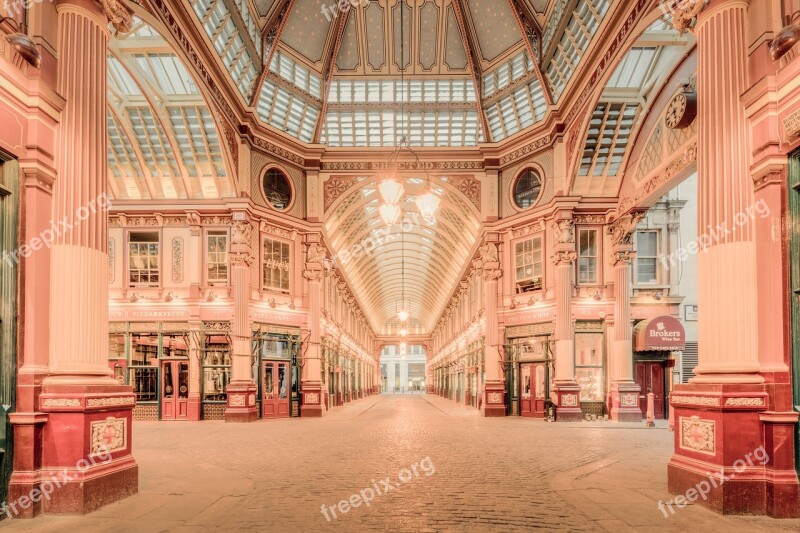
(564, 257)
(313, 274)
(119, 15)
(684, 12)
(623, 256)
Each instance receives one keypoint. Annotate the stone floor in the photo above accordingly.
(496, 474)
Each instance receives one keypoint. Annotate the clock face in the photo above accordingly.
(681, 111)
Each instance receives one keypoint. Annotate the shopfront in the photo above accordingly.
(657, 343)
(276, 370)
(529, 369)
(590, 367)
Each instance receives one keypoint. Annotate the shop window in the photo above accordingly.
(277, 266)
(216, 368)
(588, 253)
(277, 189)
(143, 370)
(647, 256)
(528, 264)
(143, 260)
(589, 369)
(217, 258)
(527, 189)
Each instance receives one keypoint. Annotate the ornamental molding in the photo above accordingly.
(706, 401)
(588, 325)
(590, 219)
(697, 435)
(111, 253)
(494, 397)
(177, 260)
(278, 151)
(241, 233)
(334, 187)
(61, 402)
(528, 149)
(312, 398)
(675, 167)
(265, 227)
(744, 402)
(251, 400)
(401, 166)
(531, 330)
(114, 400)
(108, 435)
(469, 187)
(237, 400)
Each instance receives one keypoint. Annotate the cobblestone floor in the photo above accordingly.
(501, 474)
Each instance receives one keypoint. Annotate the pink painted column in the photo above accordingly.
(241, 391)
(495, 381)
(567, 391)
(720, 416)
(89, 413)
(311, 379)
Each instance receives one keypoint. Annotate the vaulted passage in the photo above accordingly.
(255, 254)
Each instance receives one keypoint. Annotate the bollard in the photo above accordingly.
(650, 410)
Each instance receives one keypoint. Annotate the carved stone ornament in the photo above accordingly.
(119, 15)
(242, 233)
(697, 435)
(314, 254)
(489, 253)
(626, 257)
(313, 275)
(684, 12)
(241, 259)
(622, 229)
(564, 231)
(108, 435)
(564, 257)
(491, 274)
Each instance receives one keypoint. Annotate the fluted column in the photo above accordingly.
(86, 412)
(241, 392)
(727, 281)
(78, 286)
(311, 379)
(489, 263)
(624, 393)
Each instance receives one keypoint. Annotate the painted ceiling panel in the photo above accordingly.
(307, 29)
(495, 26)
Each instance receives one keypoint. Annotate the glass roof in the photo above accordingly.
(163, 141)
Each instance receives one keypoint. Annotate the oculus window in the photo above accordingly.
(527, 189)
(277, 189)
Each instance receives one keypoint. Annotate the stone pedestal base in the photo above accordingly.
(568, 406)
(625, 402)
(194, 408)
(495, 404)
(726, 432)
(241, 405)
(312, 399)
(86, 462)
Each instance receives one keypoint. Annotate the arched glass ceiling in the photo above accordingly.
(420, 264)
(626, 97)
(163, 142)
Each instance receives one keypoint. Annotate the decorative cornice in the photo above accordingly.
(276, 150)
(676, 166)
(528, 149)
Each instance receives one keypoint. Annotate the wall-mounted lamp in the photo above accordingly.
(597, 296)
(23, 45)
(170, 297)
(135, 297)
(211, 297)
(786, 38)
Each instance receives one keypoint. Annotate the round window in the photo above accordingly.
(277, 189)
(527, 189)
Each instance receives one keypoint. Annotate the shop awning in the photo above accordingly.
(663, 333)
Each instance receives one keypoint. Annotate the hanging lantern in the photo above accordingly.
(403, 315)
(403, 332)
(390, 213)
(427, 204)
(391, 192)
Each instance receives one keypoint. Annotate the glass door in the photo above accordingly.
(275, 390)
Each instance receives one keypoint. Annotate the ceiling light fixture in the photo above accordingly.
(428, 203)
(390, 214)
(23, 44)
(391, 192)
(403, 332)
